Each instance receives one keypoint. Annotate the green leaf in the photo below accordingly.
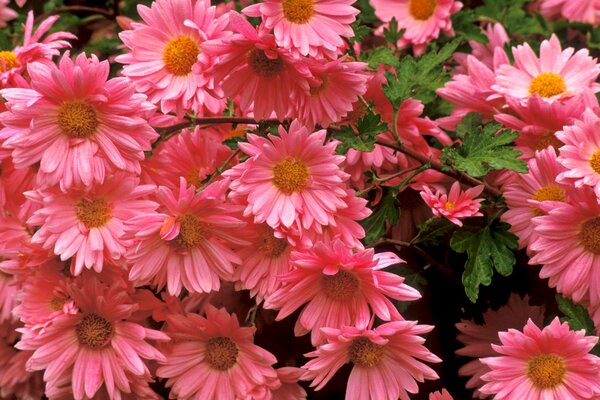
(575, 314)
(388, 211)
(365, 135)
(483, 149)
(488, 249)
(360, 31)
(391, 33)
(465, 24)
(232, 143)
(433, 230)
(382, 55)
(367, 13)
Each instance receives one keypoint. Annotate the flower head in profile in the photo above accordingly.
(552, 363)
(165, 60)
(309, 27)
(6, 14)
(387, 360)
(78, 124)
(214, 357)
(337, 287)
(454, 205)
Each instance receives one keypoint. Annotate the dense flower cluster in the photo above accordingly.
(160, 207)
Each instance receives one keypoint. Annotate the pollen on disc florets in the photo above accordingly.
(78, 119)
(290, 175)
(270, 245)
(589, 235)
(341, 286)
(365, 353)
(264, 66)
(221, 353)
(422, 9)
(93, 213)
(298, 11)
(8, 60)
(180, 54)
(547, 84)
(192, 231)
(94, 331)
(546, 371)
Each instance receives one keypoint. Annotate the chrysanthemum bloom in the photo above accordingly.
(6, 14)
(523, 192)
(484, 52)
(34, 49)
(9, 287)
(454, 205)
(339, 287)
(551, 363)
(15, 381)
(99, 344)
(586, 11)
(77, 124)
(310, 27)
(443, 395)
(478, 339)
(422, 19)
(555, 75)
(264, 79)
(581, 153)
(291, 178)
(87, 225)
(165, 60)
(567, 245)
(336, 87)
(187, 243)
(289, 389)
(13, 183)
(386, 360)
(213, 357)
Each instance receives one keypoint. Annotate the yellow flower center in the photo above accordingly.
(94, 331)
(549, 139)
(264, 66)
(547, 84)
(93, 213)
(193, 178)
(290, 175)
(364, 353)
(595, 161)
(546, 371)
(449, 206)
(298, 11)
(191, 233)
(57, 303)
(589, 235)
(270, 245)
(221, 353)
(319, 89)
(422, 9)
(180, 54)
(547, 193)
(78, 119)
(341, 286)
(8, 60)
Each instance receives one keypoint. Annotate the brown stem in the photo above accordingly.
(215, 120)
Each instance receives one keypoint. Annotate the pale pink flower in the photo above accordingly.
(265, 78)
(310, 27)
(586, 11)
(555, 75)
(96, 346)
(336, 287)
(293, 178)
(454, 205)
(358, 162)
(524, 192)
(213, 357)
(478, 339)
(440, 395)
(187, 242)
(289, 389)
(6, 14)
(484, 52)
(422, 19)
(165, 60)
(551, 363)
(77, 124)
(386, 360)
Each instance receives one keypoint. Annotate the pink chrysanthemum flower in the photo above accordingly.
(9, 287)
(165, 60)
(586, 11)
(6, 14)
(187, 242)
(581, 153)
(484, 52)
(291, 178)
(551, 363)
(98, 345)
(15, 381)
(213, 357)
(266, 79)
(77, 124)
(555, 75)
(422, 19)
(87, 225)
(524, 192)
(386, 360)
(454, 205)
(440, 395)
(478, 339)
(34, 49)
(310, 27)
(339, 287)
(567, 245)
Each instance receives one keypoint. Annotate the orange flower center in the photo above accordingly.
(449, 206)
(193, 178)
(221, 353)
(422, 9)
(264, 66)
(589, 235)
(8, 60)
(547, 193)
(364, 353)
(546, 371)
(270, 245)
(191, 233)
(78, 119)
(94, 331)
(547, 84)
(549, 139)
(341, 286)
(290, 175)
(298, 11)
(180, 54)
(93, 213)
(595, 161)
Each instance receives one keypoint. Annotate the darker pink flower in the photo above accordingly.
(454, 205)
